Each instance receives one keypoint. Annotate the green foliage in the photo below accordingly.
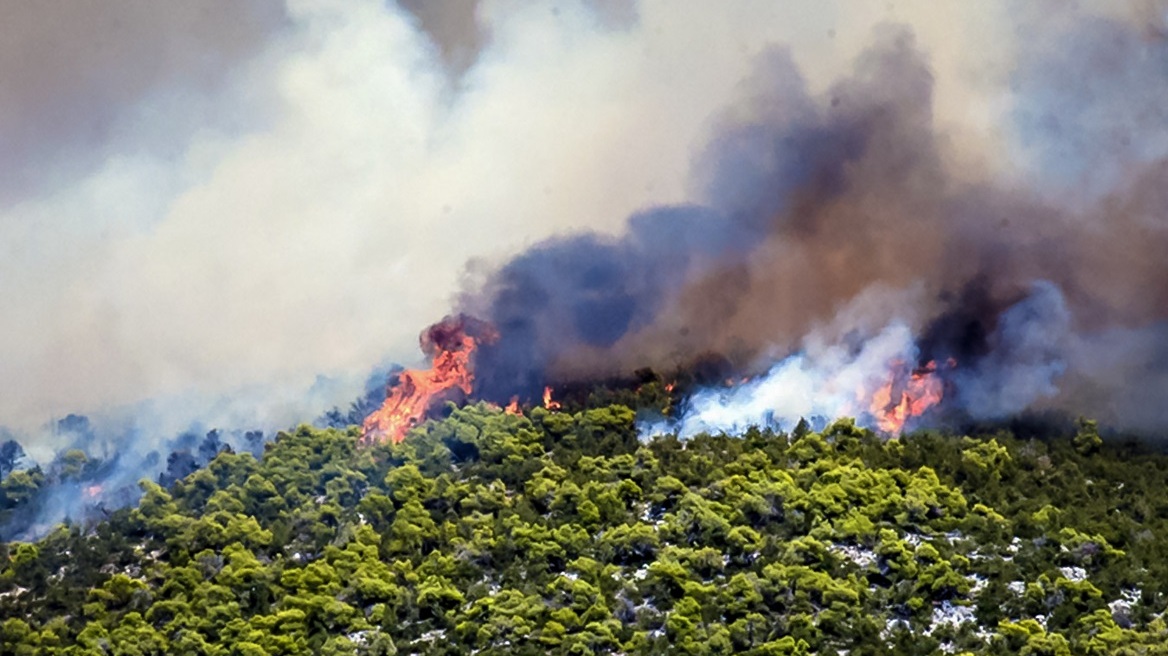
(1087, 440)
(564, 533)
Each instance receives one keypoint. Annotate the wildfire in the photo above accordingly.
(548, 401)
(450, 345)
(513, 407)
(907, 394)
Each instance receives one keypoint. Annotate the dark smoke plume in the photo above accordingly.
(842, 211)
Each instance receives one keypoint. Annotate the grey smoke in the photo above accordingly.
(207, 212)
(1027, 355)
(828, 193)
(71, 70)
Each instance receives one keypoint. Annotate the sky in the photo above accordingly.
(235, 211)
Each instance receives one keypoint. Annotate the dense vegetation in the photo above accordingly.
(564, 533)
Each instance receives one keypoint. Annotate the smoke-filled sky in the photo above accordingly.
(206, 201)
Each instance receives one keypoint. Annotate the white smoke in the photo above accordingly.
(841, 366)
(823, 381)
(229, 222)
(312, 209)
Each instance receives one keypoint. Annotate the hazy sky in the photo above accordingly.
(208, 199)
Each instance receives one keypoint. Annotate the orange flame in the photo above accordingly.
(548, 401)
(513, 407)
(907, 394)
(450, 345)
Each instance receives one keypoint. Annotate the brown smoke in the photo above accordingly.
(815, 200)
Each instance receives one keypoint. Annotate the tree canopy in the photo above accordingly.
(562, 532)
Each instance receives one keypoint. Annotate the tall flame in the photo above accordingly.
(548, 401)
(450, 344)
(907, 394)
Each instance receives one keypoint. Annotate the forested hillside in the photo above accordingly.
(561, 532)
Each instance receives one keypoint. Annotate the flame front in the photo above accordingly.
(907, 394)
(450, 345)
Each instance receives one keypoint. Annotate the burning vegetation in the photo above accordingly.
(891, 395)
(549, 402)
(907, 394)
(450, 344)
(798, 334)
(797, 222)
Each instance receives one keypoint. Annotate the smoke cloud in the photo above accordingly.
(227, 216)
(210, 210)
(812, 196)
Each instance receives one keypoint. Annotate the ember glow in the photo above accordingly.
(450, 344)
(908, 393)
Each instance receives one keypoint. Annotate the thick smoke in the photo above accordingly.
(1024, 356)
(71, 70)
(814, 197)
(226, 202)
(222, 217)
